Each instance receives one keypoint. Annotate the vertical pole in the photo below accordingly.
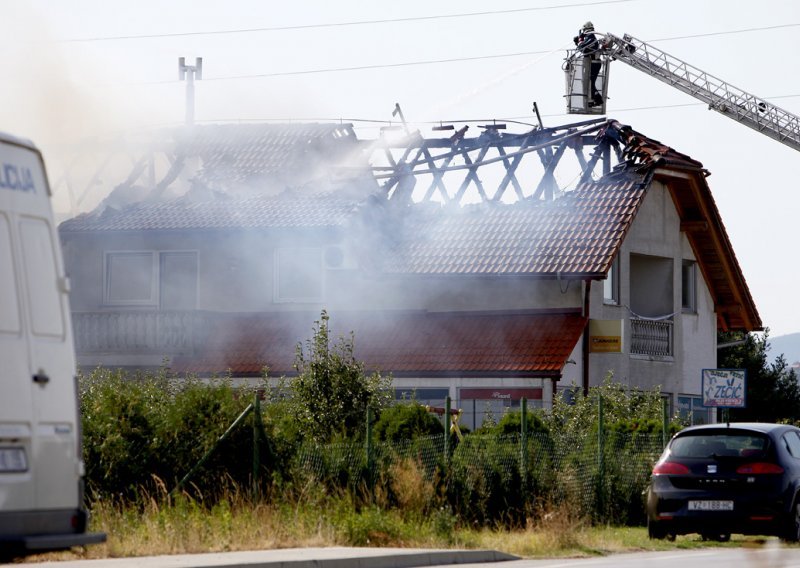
(369, 449)
(600, 455)
(256, 443)
(447, 429)
(523, 455)
(664, 422)
(190, 98)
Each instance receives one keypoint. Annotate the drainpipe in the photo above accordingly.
(586, 338)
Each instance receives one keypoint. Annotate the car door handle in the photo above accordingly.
(41, 378)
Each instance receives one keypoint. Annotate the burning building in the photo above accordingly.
(486, 292)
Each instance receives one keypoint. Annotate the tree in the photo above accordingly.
(332, 391)
(773, 394)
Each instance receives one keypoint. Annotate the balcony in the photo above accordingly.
(651, 337)
(154, 332)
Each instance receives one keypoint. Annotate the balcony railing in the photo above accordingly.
(170, 332)
(651, 337)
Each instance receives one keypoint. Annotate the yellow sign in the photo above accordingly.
(605, 336)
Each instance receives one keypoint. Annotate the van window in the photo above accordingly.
(42, 277)
(9, 306)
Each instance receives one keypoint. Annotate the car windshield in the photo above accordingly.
(706, 445)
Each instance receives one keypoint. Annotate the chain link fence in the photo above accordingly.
(499, 478)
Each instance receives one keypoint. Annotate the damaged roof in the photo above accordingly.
(577, 234)
(424, 344)
(240, 153)
(285, 210)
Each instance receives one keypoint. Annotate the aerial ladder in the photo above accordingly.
(739, 105)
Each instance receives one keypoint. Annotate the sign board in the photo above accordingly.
(725, 388)
(605, 336)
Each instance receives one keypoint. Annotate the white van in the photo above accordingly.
(41, 467)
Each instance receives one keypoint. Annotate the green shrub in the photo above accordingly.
(406, 421)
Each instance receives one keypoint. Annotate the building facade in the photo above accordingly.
(630, 276)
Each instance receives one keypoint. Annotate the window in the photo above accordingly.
(167, 280)
(691, 408)
(611, 284)
(688, 287)
(9, 305)
(130, 278)
(298, 275)
(792, 442)
(42, 277)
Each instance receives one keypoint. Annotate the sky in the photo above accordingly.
(86, 69)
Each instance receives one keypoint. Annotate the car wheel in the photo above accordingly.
(654, 531)
(793, 530)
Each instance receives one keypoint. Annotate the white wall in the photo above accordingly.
(655, 232)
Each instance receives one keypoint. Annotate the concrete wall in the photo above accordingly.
(654, 239)
(236, 274)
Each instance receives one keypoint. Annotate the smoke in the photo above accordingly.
(58, 96)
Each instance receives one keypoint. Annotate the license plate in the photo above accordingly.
(711, 505)
(12, 460)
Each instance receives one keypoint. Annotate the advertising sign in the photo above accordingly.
(605, 336)
(724, 388)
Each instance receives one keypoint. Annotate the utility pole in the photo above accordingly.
(189, 73)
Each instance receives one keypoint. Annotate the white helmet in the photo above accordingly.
(588, 27)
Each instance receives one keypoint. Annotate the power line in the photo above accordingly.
(343, 24)
(457, 59)
(521, 120)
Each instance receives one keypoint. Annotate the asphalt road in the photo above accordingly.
(772, 555)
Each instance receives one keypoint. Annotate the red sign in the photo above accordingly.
(501, 394)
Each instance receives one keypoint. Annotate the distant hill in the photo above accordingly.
(789, 345)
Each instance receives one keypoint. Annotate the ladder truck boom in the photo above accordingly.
(739, 105)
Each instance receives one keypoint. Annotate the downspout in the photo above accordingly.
(585, 369)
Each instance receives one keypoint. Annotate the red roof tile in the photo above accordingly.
(320, 210)
(578, 233)
(408, 343)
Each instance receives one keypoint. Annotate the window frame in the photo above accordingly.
(611, 283)
(689, 297)
(154, 300)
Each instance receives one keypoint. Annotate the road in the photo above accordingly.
(770, 556)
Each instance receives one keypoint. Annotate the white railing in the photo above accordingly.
(651, 337)
(138, 331)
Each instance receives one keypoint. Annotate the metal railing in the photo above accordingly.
(138, 331)
(721, 96)
(652, 337)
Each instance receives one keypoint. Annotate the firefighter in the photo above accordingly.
(587, 43)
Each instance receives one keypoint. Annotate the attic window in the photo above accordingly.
(298, 275)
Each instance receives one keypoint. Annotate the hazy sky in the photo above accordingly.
(57, 90)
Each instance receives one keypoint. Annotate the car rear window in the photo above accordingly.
(706, 445)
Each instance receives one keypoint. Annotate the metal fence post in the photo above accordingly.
(256, 442)
(665, 423)
(447, 430)
(369, 450)
(523, 454)
(601, 462)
